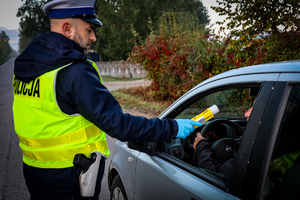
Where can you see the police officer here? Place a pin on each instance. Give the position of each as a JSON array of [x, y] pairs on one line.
[[62, 109]]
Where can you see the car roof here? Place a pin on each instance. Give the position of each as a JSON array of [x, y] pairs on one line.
[[277, 67]]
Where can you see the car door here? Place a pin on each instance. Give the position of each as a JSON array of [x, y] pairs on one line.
[[276, 142], [157, 177], [171, 173]]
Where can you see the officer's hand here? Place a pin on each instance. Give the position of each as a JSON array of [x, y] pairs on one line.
[[186, 126]]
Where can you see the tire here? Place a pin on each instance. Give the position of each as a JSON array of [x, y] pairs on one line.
[[117, 191]]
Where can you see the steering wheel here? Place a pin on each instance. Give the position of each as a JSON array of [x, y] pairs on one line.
[[224, 148]]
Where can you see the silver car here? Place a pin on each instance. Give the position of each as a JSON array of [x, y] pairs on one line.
[[258, 144]]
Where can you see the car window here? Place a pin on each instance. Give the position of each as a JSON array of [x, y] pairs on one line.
[[232, 103], [283, 178]]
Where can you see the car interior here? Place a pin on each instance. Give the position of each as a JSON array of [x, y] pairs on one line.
[[225, 128]]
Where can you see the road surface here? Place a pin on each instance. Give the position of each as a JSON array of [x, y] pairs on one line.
[[12, 183]]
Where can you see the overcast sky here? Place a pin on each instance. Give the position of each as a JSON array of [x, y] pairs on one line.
[[214, 17], [9, 8], [8, 11]]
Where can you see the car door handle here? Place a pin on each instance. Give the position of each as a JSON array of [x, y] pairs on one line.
[[130, 159]]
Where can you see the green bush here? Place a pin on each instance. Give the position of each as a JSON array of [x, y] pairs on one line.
[[282, 46], [5, 51], [178, 61]]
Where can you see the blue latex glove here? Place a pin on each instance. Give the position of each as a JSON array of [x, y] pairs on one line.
[[186, 126]]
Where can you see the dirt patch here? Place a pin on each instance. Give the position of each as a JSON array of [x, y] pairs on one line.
[[135, 112], [114, 85]]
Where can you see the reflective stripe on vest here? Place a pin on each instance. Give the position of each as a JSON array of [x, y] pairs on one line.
[[48, 137], [64, 154]]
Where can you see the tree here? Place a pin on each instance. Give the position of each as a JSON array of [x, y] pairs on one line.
[[4, 37], [248, 18], [113, 38], [262, 31], [33, 21], [171, 57], [6, 52], [120, 17]]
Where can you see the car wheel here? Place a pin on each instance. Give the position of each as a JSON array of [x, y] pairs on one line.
[[117, 189]]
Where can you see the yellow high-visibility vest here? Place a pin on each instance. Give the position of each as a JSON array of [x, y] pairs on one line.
[[48, 137]]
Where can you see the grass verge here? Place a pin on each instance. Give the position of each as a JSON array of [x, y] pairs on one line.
[[129, 100]]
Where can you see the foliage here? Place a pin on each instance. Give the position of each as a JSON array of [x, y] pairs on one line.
[[33, 21], [282, 46], [166, 57], [4, 37], [6, 52], [260, 31], [113, 41], [229, 54], [119, 18], [249, 19], [176, 60]]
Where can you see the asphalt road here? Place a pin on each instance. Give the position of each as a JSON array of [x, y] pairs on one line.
[[12, 183]]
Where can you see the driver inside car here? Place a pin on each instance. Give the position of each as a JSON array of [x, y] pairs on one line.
[[206, 158]]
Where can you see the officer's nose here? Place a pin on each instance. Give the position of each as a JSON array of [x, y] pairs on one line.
[[93, 36]]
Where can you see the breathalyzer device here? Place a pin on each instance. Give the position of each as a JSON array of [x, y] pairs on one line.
[[206, 114]]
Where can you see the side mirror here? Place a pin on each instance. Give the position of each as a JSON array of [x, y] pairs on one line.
[[145, 147]]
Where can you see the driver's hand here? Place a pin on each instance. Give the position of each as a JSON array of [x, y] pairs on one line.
[[197, 139]]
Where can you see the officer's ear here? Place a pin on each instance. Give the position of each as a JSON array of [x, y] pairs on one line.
[[67, 29]]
